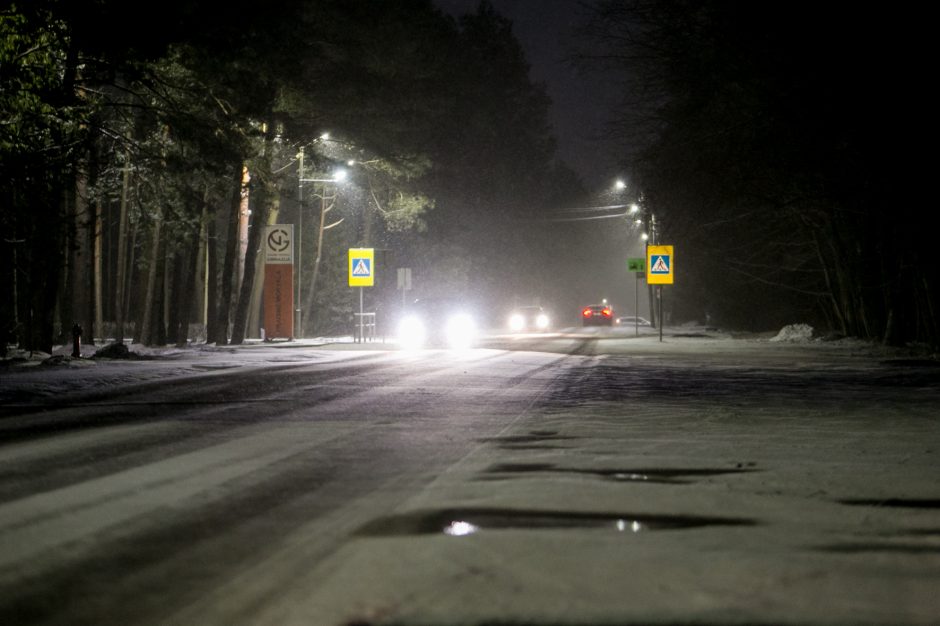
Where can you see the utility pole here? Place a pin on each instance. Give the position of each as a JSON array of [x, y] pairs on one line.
[[298, 332]]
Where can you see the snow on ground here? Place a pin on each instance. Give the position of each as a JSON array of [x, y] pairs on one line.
[[24, 375]]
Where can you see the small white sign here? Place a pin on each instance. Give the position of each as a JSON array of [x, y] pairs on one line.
[[404, 278]]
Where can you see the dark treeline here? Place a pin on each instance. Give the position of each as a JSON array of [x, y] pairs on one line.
[[778, 144], [139, 159]]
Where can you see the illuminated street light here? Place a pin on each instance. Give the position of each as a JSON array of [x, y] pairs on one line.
[[620, 185]]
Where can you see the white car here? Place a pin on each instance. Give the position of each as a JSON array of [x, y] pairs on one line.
[[633, 320]]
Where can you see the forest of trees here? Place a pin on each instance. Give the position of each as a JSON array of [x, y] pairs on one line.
[[140, 158], [778, 143]]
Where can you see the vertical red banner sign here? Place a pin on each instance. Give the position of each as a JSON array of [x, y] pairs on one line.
[[279, 281]]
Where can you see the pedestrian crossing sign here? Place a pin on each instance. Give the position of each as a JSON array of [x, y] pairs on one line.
[[660, 261], [361, 267]]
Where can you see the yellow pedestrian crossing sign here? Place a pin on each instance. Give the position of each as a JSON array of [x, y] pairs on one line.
[[361, 267], [659, 261]]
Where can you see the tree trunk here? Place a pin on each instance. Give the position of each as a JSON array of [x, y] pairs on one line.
[[212, 279], [200, 267], [120, 281], [82, 263], [145, 332], [254, 246], [224, 314], [254, 310], [310, 296], [187, 267], [98, 275]]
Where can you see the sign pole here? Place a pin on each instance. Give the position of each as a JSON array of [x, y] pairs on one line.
[[361, 274], [636, 303], [660, 272], [659, 296], [637, 266]]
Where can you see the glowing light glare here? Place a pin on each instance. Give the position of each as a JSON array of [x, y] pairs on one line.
[[411, 333], [644, 236], [634, 208], [325, 136], [460, 331], [340, 175], [460, 529], [516, 322], [541, 321], [619, 184], [633, 526]]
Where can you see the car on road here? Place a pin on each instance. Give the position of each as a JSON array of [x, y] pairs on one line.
[[633, 320], [528, 319], [437, 323], [597, 315]]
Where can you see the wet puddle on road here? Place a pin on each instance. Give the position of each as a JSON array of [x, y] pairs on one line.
[[865, 548], [669, 476], [898, 503], [535, 440], [461, 522]]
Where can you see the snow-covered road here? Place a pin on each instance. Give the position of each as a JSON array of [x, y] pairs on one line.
[[577, 477]]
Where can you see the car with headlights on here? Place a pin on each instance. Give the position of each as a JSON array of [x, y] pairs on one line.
[[437, 323], [597, 315], [528, 319]]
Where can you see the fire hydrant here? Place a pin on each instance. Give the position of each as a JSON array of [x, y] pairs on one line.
[[76, 341]]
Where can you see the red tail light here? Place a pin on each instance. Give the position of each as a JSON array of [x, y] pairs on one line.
[[606, 312], [587, 312]]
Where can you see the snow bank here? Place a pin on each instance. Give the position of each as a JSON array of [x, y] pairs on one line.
[[795, 333]]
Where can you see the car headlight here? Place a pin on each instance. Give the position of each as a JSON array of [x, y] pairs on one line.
[[460, 331], [412, 332], [516, 322], [541, 321]]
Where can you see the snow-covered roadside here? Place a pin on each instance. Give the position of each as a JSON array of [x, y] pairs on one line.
[[24, 376]]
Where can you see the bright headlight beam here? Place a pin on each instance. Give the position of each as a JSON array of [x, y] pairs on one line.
[[460, 331], [411, 333]]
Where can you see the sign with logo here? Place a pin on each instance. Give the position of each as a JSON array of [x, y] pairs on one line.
[[279, 281], [361, 267], [279, 243], [659, 263], [636, 265]]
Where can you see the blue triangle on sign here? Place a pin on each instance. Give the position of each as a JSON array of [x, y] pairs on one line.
[[660, 264], [361, 268]]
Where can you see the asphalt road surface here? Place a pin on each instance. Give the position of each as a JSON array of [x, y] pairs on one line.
[[566, 479]]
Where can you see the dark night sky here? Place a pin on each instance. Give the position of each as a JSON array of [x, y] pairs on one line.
[[581, 101]]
